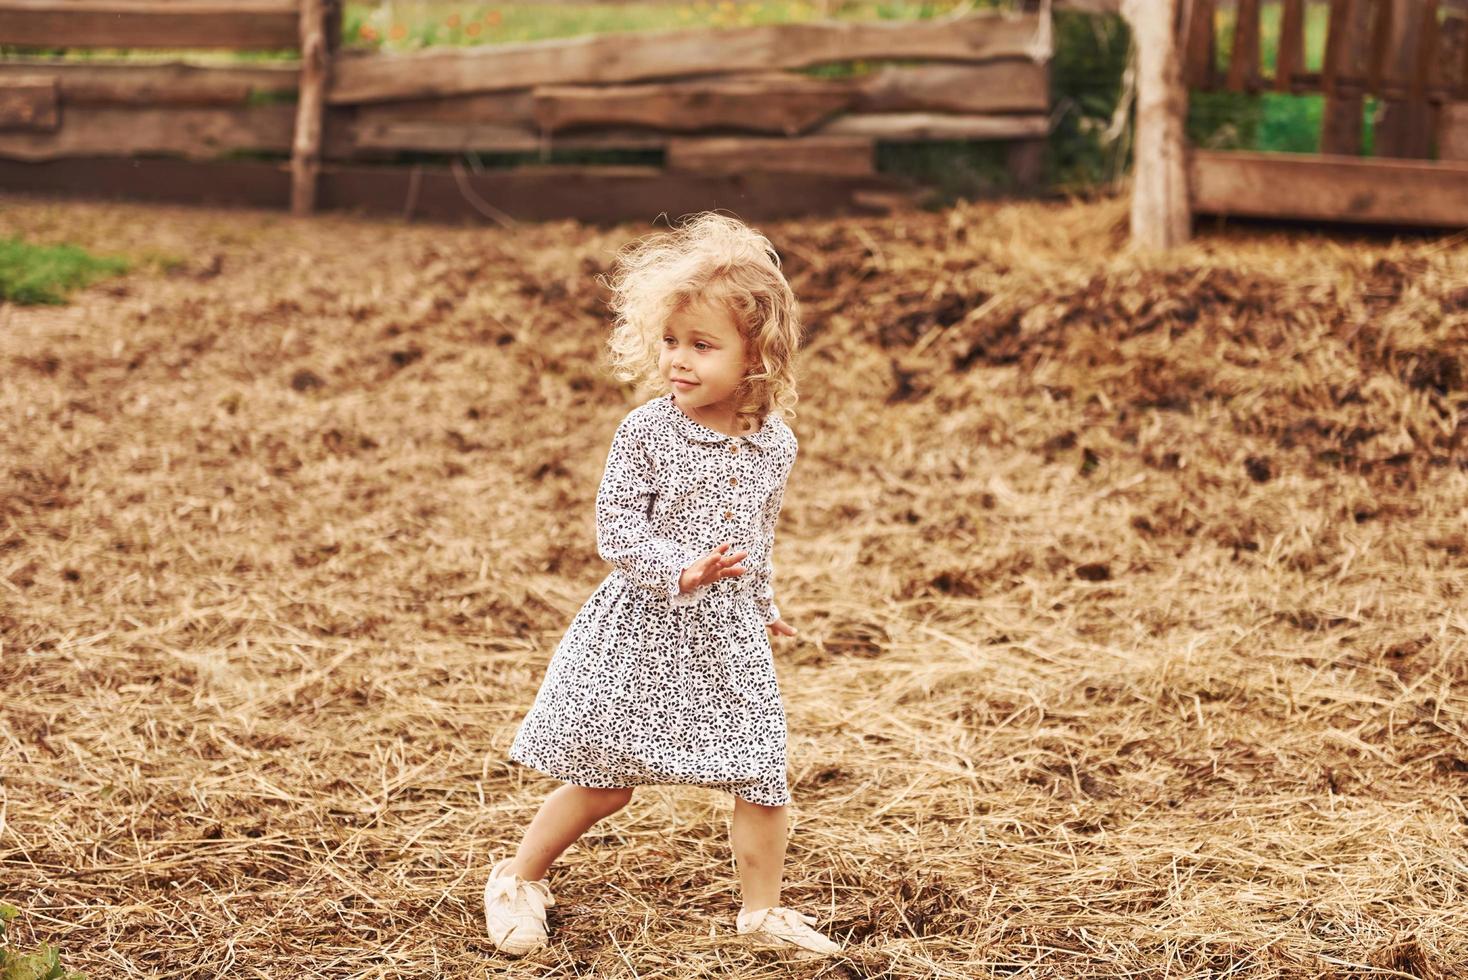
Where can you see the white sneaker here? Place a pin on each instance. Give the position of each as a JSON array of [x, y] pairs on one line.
[[514, 910], [784, 928]]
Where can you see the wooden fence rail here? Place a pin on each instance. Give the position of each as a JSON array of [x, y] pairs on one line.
[[718, 102]]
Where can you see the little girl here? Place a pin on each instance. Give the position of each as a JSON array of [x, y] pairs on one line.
[[666, 674]]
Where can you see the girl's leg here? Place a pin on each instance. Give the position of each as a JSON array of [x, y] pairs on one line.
[[758, 835], [565, 815]]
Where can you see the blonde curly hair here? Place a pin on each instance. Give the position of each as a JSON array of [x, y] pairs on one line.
[[717, 257]]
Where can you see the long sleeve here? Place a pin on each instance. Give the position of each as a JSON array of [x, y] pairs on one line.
[[624, 535], [764, 575]]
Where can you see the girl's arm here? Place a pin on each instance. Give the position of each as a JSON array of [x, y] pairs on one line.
[[623, 535], [764, 574]]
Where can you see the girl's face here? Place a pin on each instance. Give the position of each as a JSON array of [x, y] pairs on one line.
[[703, 359]]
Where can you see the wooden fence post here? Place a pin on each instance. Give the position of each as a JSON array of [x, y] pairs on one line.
[[1161, 216], [311, 104]]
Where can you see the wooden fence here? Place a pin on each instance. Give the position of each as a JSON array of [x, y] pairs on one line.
[[736, 121], [1411, 55]]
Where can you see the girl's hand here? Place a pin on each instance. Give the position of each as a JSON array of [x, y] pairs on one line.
[[712, 567], [781, 628]]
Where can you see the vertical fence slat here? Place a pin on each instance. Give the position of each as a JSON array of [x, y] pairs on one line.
[[1243, 68], [1291, 44], [1462, 73], [1424, 71], [310, 107], [1382, 45], [1198, 50], [1337, 29], [1340, 124]]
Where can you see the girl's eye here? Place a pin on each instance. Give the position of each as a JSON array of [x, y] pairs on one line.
[[700, 344]]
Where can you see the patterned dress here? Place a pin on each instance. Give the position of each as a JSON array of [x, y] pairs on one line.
[[652, 686]]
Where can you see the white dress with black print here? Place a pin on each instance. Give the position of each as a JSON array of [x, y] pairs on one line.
[[652, 686]]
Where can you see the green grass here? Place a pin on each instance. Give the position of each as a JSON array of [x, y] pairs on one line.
[[42, 963], [42, 274]]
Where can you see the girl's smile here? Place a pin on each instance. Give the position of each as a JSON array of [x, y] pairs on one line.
[[703, 360]]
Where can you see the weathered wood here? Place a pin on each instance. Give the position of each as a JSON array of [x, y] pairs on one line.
[[1009, 85], [899, 126], [195, 133], [1199, 50], [1321, 188], [606, 58], [145, 84], [453, 137], [595, 194], [1340, 123], [1424, 71], [1385, 38], [29, 102], [777, 103], [1338, 31], [1025, 162], [1404, 127], [310, 107], [513, 108], [1160, 218], [1291, 49], [1452, 131], [1243, 68], [840, 155], [783, 102], [237, 24]]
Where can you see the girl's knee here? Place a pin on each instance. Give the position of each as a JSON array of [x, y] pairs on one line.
[[609, 801]]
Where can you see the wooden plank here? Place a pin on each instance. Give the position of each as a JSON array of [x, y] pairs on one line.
[[1003, 86], [840, 155], [776, 103], [1337, 33], [236, 24], [782, 102], [1291, 48], [607, 58], [1324, 188], [1424, 70], [1341, 123], [1385, 37], [1462, 90], [442, 137], [194, 133], [451, 137], [1452, 132], [155, 84], [603, 195], [29, 102], [1243, 69], [1404, 126], [902, 126], [310, 106], [223, 183], [1159, 213], [1198, 50]]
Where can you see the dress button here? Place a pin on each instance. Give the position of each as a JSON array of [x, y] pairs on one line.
[[733, 481], [733, 447], [728, 514]]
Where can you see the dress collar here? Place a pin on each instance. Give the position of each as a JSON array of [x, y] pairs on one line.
[[765, 437]]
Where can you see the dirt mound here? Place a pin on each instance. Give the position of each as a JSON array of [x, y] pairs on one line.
[[1129, 595]]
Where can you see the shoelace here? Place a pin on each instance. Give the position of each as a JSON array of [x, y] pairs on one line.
[[523, 895]]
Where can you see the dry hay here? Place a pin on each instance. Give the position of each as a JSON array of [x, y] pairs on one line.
[[1131, 599]]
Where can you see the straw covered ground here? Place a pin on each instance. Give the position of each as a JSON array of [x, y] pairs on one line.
[[1131, 598]]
